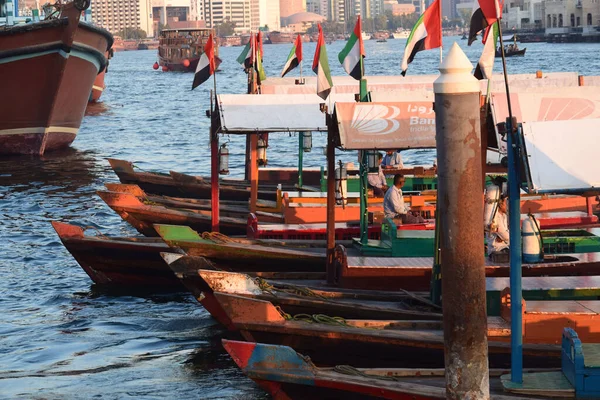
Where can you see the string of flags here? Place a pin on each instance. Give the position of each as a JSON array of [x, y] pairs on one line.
[[425, 35]]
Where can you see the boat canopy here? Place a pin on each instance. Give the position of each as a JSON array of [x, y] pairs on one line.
[[548, 103], [384, 125], [250, 113], [418, 83], [561, 156]]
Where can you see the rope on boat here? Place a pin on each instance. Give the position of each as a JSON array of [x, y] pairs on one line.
[[350, 370], [96, 229], [291, 289], [313, 318], [217, 237]]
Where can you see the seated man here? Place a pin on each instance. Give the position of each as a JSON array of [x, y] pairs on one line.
[[392, 159], [498, 236], [393, 204], [376, 180]]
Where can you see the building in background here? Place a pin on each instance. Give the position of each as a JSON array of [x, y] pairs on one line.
[[400, 8], [336, 10], [119, 15], [320, 7], [244, 13], [290, 7], [270, 15]]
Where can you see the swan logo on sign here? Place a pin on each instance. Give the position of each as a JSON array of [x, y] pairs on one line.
[[375, 119]]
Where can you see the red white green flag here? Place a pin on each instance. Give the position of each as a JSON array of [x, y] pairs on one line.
[[425, 35], [294, 58], [351, 57], [207, 65], [321, 67]]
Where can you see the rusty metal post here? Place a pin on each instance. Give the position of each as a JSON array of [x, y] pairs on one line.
[[214, 178], [458, 138]]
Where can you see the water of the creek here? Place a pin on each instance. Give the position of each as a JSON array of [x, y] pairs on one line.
[[62, 338]]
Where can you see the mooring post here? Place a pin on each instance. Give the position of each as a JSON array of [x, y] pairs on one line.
[[214, 179], [458, 138], [330, 209]]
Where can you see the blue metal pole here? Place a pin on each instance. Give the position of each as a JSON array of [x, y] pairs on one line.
[[514, 215], [300, 157]]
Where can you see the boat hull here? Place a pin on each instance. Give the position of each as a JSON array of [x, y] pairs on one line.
[[124, 262], [53, 65]]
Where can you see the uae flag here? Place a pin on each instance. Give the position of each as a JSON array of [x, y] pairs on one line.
[[294, 58], [259, 58], [207, 65], [321, 67], [351, 57], [485, 66], [247, 55], [426, 34], [488, 12]]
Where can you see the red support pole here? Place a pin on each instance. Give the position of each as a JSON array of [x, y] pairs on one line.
[[214, 181], [253, 172]]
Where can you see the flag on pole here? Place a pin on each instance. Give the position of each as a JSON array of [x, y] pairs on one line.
[[321, 67], [351, 57], [259, 58], [245, 58], [488, 12], [485, 66], [294, 58], [207, 65], [426, 34]]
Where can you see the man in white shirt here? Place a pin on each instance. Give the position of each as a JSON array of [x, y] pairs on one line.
[[376, 180], [392, 159], [498, 235], [393, 203]]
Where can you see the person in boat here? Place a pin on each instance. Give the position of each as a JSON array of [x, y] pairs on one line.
[[498, 237], [392, 159], [376, 180], [393, 204]]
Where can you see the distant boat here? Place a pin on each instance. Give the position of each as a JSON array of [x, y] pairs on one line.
[[276, 37], [180, 49], [511, 50], [400, 34], [464, 36], [383, 40]]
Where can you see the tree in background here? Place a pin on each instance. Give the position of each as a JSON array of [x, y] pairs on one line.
[[226, 28], [132, 33]]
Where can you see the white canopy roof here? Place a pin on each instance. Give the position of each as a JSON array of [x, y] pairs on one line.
[[562, 155], [247, 113]]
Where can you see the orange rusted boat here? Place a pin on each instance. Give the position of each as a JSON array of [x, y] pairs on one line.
[[141, 216], [367, 343]]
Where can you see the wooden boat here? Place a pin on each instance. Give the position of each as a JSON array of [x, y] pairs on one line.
[[231, 207], [511, 50], [119, 261], [283, 373], [185, 186], [414, 273], [70, 53], [300, 299], [368, 343], [141, 216], [236, 256], [180, 49], [135, 262]]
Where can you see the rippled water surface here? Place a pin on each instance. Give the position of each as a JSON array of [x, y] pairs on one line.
[[62, 338]]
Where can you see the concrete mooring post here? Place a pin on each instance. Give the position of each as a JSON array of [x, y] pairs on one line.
[[460, 207]]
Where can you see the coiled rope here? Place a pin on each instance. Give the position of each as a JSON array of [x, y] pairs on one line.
[[313, 318]]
